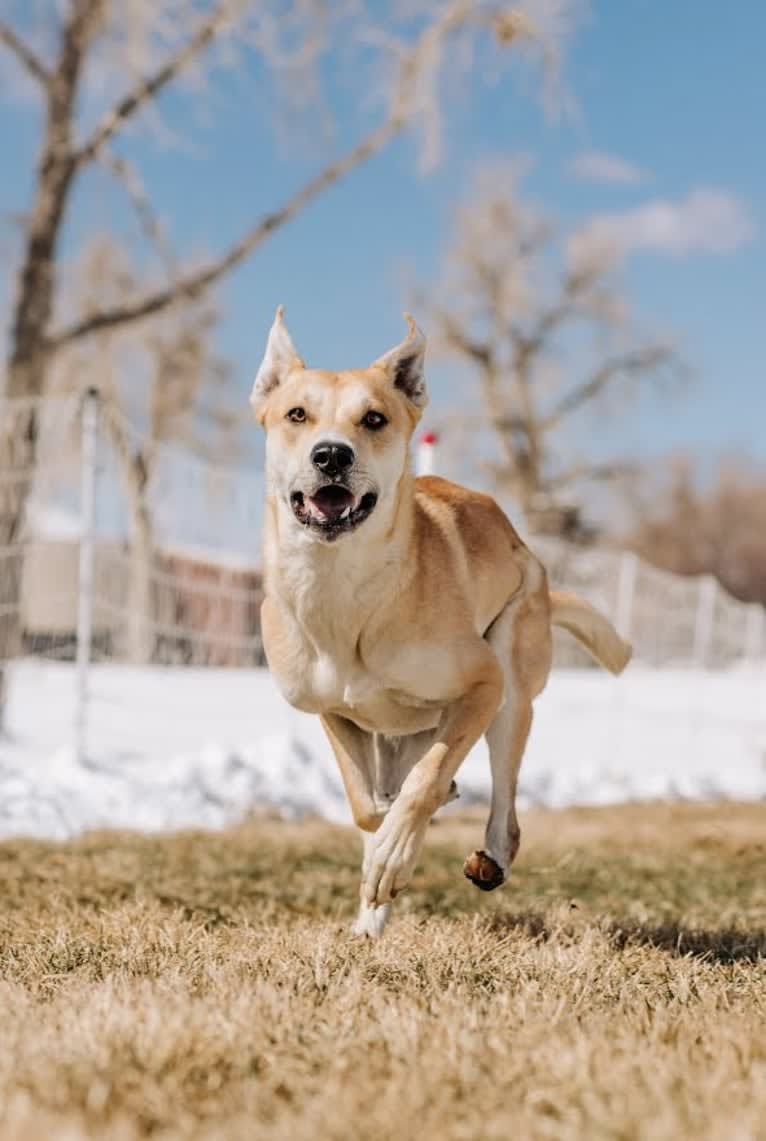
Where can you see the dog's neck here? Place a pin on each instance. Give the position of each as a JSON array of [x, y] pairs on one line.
[[316, 580]]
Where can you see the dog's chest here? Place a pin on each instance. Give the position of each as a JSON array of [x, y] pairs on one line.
[[333, 683], [320, 652], [317, 682]]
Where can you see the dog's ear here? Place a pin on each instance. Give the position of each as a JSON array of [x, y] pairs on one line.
[[405, 364], [280, 358]]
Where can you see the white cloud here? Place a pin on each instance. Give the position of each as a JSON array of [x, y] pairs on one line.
[[706, 221], [597, 166]]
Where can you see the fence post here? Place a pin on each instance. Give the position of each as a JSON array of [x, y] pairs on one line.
[[754, 631], [703, 625], [89, 434], [626, 593]]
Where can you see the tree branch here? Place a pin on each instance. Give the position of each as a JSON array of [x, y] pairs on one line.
[[150, 224], [455, 15], [575, 286], [630, 364], [592, 473], [149, 88], [459, 340], [194, 284], [24, 54]]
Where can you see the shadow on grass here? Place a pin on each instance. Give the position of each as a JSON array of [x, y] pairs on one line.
[[726, 945]]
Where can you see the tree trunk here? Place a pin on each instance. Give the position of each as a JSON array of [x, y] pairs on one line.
[[27, 360], [25, 383], [140, 629], [18, 438], [140, 637]]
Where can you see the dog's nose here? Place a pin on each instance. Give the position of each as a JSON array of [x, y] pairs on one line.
[[331, 459]]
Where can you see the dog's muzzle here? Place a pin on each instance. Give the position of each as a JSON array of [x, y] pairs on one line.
[[332, 459], [332, 510]]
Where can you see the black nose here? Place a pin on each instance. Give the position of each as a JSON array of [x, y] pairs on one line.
[[331, 459]]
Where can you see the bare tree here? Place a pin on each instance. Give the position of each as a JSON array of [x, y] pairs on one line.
[[161, 384], [717, 526], [131, 53], [518, 304]]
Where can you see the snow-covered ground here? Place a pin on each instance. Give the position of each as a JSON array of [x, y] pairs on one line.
[[172, 748]]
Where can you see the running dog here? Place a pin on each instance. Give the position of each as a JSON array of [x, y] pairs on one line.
[[407, 613]]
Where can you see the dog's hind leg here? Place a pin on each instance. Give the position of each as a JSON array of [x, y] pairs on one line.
[[506, 738], [521, 639], [395, 758]]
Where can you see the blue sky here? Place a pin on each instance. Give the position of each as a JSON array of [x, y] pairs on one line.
[[666, 131]]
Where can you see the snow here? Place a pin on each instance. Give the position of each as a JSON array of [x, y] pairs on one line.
[[53, 521], [175, 748]]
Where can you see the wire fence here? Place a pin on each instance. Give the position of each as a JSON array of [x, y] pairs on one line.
[[94, 569], [669, 619], [167, 575]]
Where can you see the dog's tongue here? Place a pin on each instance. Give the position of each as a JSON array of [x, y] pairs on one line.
[[331, 502]]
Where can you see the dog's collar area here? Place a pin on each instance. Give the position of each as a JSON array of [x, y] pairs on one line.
[[332, 510]]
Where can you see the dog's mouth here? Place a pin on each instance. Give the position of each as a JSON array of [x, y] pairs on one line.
[[332, 510]]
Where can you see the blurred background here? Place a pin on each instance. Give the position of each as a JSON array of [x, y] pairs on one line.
[[568, 196]]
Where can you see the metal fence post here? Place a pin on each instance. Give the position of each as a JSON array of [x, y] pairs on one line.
[[89, 435], [703, 625], [755, 628], [626, 593]]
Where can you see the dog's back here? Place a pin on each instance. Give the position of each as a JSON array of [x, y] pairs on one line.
[[467, 531], [466, 543]]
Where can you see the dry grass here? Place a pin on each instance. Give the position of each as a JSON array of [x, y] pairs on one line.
[[205, 985]]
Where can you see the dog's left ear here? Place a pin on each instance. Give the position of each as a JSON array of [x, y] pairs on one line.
[[405, 365], [280, 358]]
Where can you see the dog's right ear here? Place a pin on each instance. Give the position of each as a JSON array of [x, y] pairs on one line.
[[280, 358]]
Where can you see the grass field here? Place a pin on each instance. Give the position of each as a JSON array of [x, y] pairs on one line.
[[205, 985]]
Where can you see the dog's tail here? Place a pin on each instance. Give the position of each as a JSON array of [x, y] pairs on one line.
[[595, 632]]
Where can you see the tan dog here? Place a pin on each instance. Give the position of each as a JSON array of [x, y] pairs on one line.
[[407, 613]]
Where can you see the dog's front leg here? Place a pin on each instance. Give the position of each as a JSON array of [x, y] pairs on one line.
[[400, 836], [354, 751], [370, 920]]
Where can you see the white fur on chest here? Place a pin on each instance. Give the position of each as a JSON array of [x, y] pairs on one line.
[[316, 683], [329, 596], [333, 684]]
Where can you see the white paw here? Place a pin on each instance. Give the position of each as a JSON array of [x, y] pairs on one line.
[[389, 866], [371, 921]]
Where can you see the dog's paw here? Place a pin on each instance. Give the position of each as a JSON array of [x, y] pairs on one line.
[[391, 863], [483, 871], [371, 921]]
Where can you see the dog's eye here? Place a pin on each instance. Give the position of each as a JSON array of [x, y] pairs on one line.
[[297, 415], [374, 421]]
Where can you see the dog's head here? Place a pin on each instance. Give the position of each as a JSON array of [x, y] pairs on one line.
[[337, 442]]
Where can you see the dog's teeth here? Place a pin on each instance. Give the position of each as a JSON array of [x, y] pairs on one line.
[[345, 513]]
